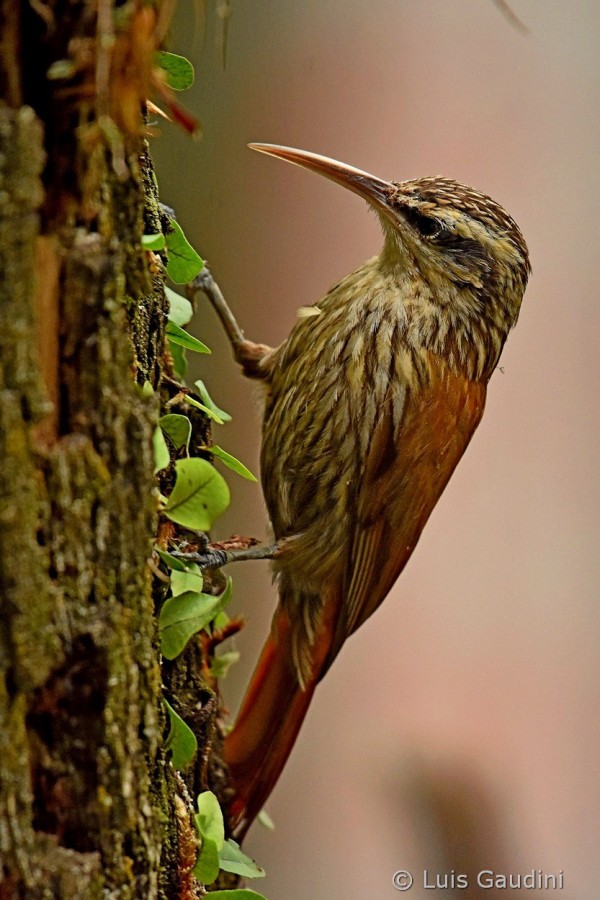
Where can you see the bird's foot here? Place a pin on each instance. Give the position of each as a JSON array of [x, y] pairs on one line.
[[214, 556]]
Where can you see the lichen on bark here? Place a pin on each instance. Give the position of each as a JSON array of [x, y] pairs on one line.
[[80, 690], [89, 803]]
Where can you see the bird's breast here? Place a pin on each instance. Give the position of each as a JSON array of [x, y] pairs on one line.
[[328, 384]]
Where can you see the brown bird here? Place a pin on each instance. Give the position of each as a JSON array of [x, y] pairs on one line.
[[370, 403]]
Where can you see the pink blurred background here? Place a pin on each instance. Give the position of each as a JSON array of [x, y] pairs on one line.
[[459, 728]]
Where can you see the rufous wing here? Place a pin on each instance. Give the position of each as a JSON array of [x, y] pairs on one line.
[[408, 464]]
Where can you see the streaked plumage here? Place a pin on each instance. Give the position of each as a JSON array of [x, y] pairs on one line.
[[370, 403]]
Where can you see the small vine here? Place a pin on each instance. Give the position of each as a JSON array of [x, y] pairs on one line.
[[193, 494]]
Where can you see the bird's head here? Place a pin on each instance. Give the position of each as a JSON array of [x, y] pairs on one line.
[[462, 245]]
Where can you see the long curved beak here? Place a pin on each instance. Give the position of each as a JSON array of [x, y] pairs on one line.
[[374, 190]]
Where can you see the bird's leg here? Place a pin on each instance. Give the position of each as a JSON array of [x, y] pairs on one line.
[[212, 558], [248, 354]]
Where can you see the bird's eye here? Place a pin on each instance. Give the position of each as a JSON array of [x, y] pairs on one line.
[[427, 226]]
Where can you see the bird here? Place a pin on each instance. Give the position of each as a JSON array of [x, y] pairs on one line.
[[369, 404]]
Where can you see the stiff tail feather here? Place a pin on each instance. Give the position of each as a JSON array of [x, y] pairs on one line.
[[268, 723]]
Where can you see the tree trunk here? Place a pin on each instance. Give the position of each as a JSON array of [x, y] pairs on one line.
[[89, 806]]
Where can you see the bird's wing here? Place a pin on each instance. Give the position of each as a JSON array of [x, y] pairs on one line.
[[408, 465]]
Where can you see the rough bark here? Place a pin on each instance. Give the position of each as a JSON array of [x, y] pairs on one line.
[[89, 806]]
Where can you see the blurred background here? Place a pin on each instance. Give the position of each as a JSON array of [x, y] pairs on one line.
[[459, 728]]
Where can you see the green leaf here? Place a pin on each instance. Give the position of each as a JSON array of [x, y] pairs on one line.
[[179, 70], [224, 598], [221, 620], [231, 462], [161, 451], [221, 664], [180, 308], [182, 617], [192, 580], [206, 869], [172, 562], [179, 359], [232, 859], [153, 241], [147, 389], [200, 495], [206, 398], [211, 831], [181, 740], [208, 412], [265, 820], [177, 428], [237, 894], [178, 336], [184, 263], [209, 819]]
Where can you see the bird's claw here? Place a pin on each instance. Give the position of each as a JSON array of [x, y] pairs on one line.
[[204, 559]]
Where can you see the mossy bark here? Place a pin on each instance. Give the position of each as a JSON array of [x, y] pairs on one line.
[[81, 730], [89, 805]]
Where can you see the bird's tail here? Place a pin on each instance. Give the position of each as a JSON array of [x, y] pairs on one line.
[[268, 723]]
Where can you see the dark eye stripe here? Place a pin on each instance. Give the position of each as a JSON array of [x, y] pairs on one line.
[[427, 226], [463, 249]]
